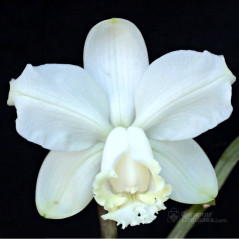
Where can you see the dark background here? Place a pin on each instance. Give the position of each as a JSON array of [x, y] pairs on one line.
[[39, 32]]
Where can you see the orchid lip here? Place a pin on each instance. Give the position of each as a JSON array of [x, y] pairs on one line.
[[129, 179]]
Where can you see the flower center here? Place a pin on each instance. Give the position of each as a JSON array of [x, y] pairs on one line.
[[132, 176]]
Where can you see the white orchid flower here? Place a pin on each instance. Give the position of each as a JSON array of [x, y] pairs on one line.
[[120, 130]]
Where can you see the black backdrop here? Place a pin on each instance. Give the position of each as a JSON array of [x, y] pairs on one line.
[[39, 32]]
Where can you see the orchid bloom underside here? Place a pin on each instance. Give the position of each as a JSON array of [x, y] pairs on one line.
[[120, 129]]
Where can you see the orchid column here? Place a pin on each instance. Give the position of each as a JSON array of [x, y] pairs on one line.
[[120, 130]]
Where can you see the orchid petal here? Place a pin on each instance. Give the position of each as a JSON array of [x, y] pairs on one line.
[[115, 55], [59, 107], [187, 169], [64, 184], [183, 94]]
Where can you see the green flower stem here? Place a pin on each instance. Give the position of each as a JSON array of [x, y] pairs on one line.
[[108, 228], [227, 162], [223, 168]]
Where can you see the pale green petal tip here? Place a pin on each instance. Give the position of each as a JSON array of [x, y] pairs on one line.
[[211, 197], [44, 215], [114, 20], [211, 203], [10, 100], [47, 209], [49, 214]]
